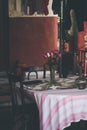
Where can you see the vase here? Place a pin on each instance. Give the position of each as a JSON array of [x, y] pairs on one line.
[[52, 76], [81, 82]]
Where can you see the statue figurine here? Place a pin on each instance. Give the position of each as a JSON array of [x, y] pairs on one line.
[[50, 11], [73, 31]]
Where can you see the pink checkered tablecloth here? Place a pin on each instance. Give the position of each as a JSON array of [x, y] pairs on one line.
[[59, 107]]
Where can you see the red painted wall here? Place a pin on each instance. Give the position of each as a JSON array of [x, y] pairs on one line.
[[31, 37], [85, 27], [81, 45], [81, 40]]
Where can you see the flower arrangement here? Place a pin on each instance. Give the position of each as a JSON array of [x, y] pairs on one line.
[[52, 62], [51, 59]]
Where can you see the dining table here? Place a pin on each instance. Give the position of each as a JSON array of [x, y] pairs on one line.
[[59, 106]]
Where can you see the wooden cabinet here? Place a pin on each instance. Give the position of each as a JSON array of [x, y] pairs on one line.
[[31, 37]]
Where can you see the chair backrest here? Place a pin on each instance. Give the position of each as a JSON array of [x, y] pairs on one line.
[[13, 79], [36, 69], [22, 69], [17, 91]]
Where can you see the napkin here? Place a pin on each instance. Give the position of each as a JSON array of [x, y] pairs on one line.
[[42, 86]]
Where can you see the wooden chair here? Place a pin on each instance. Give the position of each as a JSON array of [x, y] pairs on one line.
[[11, 114], [33, 69], [27, 107]]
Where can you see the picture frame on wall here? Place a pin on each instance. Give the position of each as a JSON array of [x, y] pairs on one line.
[[28, 7]]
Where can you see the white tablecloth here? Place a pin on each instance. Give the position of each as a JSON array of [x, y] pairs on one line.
[[59, 107]]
